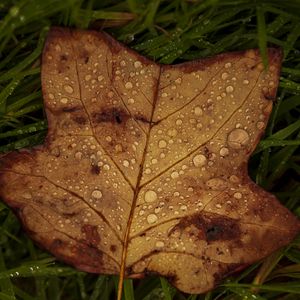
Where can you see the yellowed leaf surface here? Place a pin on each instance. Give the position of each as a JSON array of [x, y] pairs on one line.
[[144, 169]]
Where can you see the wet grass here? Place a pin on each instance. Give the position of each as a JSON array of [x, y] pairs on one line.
[[166, 31]]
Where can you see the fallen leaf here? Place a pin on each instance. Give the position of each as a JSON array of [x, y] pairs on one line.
[[144, 168]]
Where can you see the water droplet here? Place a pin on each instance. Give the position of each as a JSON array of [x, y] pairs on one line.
[[174, 175], [224, 75], [154, 161], [164, 95], [14, 11], [55, 151], [64, 100], [78, 155], [237, 195], [172, 132], [159, 244], [150, 196], [234, 179], [57, 47], [68, 89], [229, 89], [199, 160], [178, 122], [51, 96], [238, 138], [162, 144], [148, 171], [126, 163], [27, 195], [198, 111], [246, 81], [110, 94], [130, 100], [97, 194], [137, 64], [152, 218], [123, 63], [224, 151], [260, 125], [100, 78], [216, 184], [118, 148], [128, 85], [106, 167], [178, 80], [183, 207], [260, 67], [227, 65], [87, 77]]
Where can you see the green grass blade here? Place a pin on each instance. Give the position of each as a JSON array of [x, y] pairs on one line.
[[292, 38], [128, 289], [14, 72], [5, 283], [38, 126], [262, 34], [98, 287], [265, 144], [262, 168], [266, 268], [4, 296], [290, 85], [23, 295], [18, 104], [168, 290], [6, 92], [286, 132], [293, 287]]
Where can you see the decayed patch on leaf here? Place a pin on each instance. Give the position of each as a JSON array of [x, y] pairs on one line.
[[144, 169]]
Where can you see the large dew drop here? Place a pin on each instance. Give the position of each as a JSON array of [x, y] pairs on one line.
[[238, 138], [199, 160], [150, 196], [152, 218], [97, 194], [68, 89]]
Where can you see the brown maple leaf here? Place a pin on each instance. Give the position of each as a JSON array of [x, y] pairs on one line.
[[144, 168]]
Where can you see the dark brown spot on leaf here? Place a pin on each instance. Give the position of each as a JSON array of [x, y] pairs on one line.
[[95, 170], [92, 235], [111, 115], [113, 248], [80, 120], [209, 227], [71, 109], [63, 58]]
